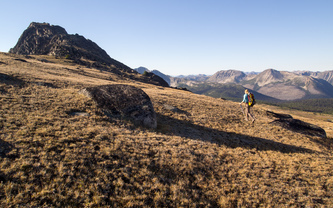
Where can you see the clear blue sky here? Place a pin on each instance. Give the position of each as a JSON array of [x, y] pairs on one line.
[[189, 36]]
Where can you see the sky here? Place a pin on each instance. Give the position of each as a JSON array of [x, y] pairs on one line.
[[183, 37]]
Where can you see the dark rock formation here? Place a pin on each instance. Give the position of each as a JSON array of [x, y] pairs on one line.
[[46, 39], [124, 100], [163, 76], [154, 75], [150, 77], [288, 122]]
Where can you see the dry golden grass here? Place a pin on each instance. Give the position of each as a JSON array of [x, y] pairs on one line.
[[203, 155]]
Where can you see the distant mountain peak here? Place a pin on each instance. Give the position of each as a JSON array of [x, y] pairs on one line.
[[268, 76], [273, 72], [227, 76], [141, 69]]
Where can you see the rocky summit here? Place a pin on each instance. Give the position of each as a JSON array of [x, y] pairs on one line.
[[46, 39], [52, 40]]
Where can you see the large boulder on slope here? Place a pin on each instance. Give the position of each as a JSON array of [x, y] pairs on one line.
[[126, 101]]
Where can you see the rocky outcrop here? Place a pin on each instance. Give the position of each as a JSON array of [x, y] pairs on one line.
[[288, 122], [150, 77], [46, 39], [155, 75], [125, 101], [163, 76]]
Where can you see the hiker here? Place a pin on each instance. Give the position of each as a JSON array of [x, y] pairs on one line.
[[248, 107]]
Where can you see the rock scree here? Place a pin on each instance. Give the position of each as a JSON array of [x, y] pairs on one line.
[[124, 100]]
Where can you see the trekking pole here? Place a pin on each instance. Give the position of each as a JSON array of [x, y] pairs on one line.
[[240, 104]]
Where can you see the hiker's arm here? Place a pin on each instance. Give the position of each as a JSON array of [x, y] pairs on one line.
[[244, 99]]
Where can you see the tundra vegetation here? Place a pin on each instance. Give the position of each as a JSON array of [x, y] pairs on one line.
[[57, 149]]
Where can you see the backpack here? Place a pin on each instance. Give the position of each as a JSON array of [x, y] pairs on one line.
[[251, 99]]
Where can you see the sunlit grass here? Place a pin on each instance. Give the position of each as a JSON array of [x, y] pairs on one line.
[[204, 155]]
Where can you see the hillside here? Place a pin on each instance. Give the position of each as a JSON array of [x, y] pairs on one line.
[[58, 149]]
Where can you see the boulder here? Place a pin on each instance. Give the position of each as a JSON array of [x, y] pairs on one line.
[[288, 122], [124, 100]]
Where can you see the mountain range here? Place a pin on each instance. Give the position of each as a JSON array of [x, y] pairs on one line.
[[269, 85]]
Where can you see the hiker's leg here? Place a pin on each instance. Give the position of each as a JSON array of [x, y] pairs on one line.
[[249, 112]]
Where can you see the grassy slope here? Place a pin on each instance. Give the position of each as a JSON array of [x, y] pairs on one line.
[[205, 155]]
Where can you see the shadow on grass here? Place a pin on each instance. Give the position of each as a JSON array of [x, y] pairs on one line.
[[326, 142], [171, 126], [10, 80], [5, 148]]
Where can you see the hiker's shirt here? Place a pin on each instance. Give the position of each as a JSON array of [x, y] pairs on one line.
[[245, 99]]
